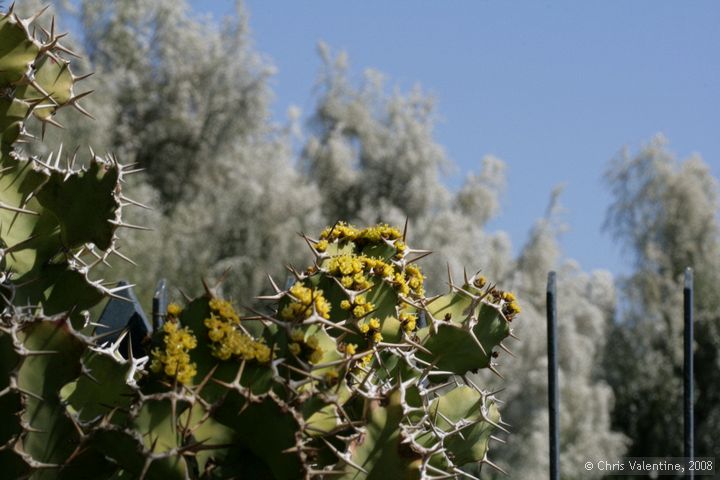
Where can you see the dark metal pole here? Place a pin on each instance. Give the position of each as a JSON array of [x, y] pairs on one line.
[[689, 367], [553, 395]]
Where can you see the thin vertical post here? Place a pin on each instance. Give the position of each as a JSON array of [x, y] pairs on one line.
[[689, 414], [553, 391]]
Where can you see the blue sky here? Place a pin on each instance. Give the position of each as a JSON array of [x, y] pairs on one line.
[[555, 89]]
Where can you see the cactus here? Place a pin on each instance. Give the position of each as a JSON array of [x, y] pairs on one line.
[[56, 222], [352, 372], [338, 379], [341, 378]]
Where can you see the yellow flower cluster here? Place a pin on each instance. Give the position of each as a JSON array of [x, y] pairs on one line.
[[311, 346], [400, 247], [227, 340], [366, 360], [415, 279], [343, 231], [317, 352], [174, 360], [371, 329], [511, 307], [379, 232], [359, 308], [352, 270], [346, 265], [351, 349], [304, 298], [174, 310], [225, 310], [322, 245], [377, 266], [411, 280], [408, 321]]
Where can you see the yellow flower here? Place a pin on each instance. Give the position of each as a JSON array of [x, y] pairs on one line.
[[312, 342], [401, 284], [367, 359], [288, 312], [174, 360], [170, 327], [226, 340], [294, 348], [262, 353], [345, 305], [322, 306], [379, 232], [316, 355], [174, 310], [224, 309], [508, 296], [350, 349], [302, 301], [341, 231], [364, 327], [377, 337], [408, 321], [388, 270], [322, 245], [297, 335], [374, 323]]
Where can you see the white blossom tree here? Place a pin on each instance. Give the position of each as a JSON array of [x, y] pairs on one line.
[[188, 103], [665, 212], [586, 302]]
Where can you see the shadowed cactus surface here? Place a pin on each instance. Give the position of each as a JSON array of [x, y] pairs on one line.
[[352, 372]]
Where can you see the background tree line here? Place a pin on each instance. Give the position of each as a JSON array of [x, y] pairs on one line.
[[229, 189]]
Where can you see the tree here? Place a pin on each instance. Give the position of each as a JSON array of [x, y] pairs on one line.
[[372, 156], [586, 302], [188, 102], [665, 212]]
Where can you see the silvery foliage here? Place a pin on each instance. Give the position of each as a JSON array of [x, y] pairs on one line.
[[665, 211], [189, 103], [585, 306], [372, 155]]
